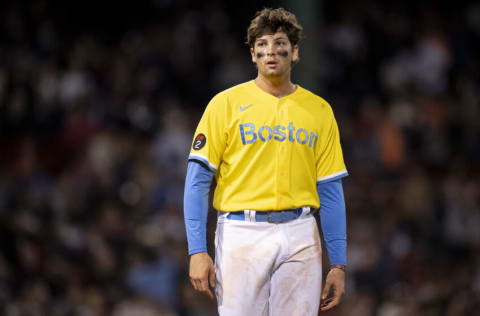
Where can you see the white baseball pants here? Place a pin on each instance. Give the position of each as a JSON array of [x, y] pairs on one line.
[[268, 269]]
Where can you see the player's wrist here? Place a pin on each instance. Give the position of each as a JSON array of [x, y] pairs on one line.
[[339, 267], [199, 254]]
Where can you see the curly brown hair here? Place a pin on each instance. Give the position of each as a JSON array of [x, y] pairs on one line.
[[269, 21]]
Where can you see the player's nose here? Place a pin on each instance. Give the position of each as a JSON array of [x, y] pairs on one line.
[[270, 50]]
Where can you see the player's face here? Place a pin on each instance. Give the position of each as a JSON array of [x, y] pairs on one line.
[[274, 54]]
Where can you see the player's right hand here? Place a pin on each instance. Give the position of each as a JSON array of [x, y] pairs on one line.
[[202, 272]]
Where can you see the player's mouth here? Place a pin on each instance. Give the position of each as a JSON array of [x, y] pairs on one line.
[[272, 63]]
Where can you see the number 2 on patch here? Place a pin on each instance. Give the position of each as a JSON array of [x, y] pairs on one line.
[[199, 141]]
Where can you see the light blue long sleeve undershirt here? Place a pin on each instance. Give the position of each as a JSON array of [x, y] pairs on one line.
[[195, 205], [197, 187], [333, 220]]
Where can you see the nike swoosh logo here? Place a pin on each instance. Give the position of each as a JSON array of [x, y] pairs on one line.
[[245, 107]]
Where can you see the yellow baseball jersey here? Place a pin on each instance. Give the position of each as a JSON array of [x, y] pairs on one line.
[[268, 153]]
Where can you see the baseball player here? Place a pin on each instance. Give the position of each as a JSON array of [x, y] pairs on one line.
[[274, 150]]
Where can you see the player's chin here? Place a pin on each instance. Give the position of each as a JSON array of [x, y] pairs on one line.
[[273, 72]]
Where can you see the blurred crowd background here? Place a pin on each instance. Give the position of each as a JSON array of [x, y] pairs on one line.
[[98, 105]]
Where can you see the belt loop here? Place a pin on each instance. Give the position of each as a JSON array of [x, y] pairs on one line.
[[222, 216], [249, 215], [305, 211], [252, 216]]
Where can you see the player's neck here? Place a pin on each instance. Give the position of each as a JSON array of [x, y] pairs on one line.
[[278, 87]]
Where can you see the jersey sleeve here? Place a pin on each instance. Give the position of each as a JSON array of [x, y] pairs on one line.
[[329, 161], [210, 136]]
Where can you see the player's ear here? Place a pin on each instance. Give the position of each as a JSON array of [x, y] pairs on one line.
[[252, 52], [295, 55]]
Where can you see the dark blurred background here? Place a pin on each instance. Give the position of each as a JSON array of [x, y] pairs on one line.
[[98, 104]]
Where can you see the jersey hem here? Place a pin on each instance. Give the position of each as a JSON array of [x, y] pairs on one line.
[[266, 209]]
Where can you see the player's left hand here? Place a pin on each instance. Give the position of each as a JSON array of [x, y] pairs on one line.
[[335, 281], [202, 273]]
